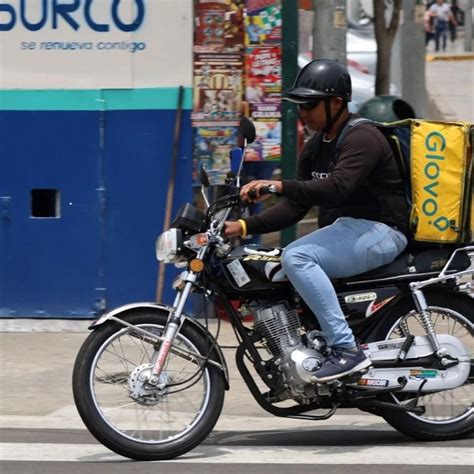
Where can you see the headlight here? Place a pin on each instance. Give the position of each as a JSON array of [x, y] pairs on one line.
[[168, 245]]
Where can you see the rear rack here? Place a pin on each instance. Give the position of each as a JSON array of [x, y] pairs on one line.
[[417, 285]]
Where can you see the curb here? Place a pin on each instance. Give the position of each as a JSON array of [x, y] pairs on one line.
[[44, 325], [31, 325], [449, 57]]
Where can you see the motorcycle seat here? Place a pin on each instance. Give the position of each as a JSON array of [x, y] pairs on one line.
[[413, 264]]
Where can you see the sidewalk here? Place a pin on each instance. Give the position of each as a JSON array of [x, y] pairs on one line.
[[37, 357], [449, 82]]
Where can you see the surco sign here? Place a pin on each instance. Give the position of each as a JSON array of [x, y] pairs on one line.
[[53, 14]]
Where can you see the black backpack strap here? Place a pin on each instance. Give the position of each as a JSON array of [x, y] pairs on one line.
[[352, 122]]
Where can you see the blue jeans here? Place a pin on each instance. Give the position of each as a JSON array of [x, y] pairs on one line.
[[441, 32], [345, 248]]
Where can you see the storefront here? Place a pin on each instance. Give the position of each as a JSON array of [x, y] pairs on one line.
[[88, 99], [88, 108]]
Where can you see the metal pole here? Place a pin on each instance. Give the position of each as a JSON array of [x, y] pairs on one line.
[[408, 56], [329, 30], [468, 26], [171, 184], [289, 112]]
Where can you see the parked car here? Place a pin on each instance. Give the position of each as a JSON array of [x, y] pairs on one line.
[[362, 49]]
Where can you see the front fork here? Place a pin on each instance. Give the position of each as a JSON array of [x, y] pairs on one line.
[[172, 327], [175, 318]]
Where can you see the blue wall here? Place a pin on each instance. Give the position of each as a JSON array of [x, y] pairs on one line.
[[109, 154]]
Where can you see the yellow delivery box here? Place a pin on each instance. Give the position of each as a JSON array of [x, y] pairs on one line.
[[441, 181]]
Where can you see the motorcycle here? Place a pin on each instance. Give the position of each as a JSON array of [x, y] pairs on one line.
[[149, 381]]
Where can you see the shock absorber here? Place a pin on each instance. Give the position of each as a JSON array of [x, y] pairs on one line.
[[425, 317], [404, 326]]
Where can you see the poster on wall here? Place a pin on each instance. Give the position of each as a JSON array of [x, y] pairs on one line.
[[266, 111], [263, 23], [263, 74], [219, 25], [267, 120], [212, 144], [217, 86], [95, 45], [268, 133], [237, 70]]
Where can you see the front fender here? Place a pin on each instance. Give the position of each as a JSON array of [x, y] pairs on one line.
[[121, 311]]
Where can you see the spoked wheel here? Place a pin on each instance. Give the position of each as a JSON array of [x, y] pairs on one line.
[[448, 414], [133, 418]]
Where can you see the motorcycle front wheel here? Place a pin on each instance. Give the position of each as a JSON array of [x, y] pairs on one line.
[[132, 418], [448, 414]]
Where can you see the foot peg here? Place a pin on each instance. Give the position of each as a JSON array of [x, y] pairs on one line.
[[349, 378], [354, 377]]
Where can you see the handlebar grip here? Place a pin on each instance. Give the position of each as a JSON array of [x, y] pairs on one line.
[[252, 194], [264, 190]]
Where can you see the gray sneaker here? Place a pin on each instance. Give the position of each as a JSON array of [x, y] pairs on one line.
[[341, 362]]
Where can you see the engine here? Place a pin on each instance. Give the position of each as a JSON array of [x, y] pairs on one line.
[[282, 336], [280, 328]]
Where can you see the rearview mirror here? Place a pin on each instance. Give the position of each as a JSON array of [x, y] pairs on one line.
[[246, 131]]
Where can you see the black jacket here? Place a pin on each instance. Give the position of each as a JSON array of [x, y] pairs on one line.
[[364, 183]]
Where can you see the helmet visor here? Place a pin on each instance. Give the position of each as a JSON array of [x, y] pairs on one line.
[[295, 100], [301, 95]]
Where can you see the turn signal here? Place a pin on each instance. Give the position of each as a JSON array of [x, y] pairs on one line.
[[196, 265], [199, 240]]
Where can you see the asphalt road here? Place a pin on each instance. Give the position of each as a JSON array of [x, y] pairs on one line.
[[41, 432], [332, 449]]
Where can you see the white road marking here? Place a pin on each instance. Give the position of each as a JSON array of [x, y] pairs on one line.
[[67, 418], [259, 455]]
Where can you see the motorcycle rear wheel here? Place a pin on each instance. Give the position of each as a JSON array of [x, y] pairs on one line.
[[127, 416], [449, 414]]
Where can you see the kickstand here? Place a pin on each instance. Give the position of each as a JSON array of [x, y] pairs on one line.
[[418, 394]]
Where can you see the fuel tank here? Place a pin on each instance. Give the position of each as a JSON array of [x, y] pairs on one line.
[[253, 268]]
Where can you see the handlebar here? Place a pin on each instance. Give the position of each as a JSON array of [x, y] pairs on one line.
[[227, 201], [264, 190]]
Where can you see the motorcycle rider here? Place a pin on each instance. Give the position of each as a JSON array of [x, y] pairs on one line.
[[363, 214]]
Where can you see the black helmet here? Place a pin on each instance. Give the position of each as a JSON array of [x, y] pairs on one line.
[[319, 79]]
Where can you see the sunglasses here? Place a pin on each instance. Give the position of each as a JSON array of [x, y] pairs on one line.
[[307, 106]]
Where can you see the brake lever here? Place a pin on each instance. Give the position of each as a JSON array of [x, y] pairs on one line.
[[233, 200], [227, 201]]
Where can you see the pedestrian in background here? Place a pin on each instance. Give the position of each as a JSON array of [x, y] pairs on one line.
[[428, 21], [456, 14], [442, 14]]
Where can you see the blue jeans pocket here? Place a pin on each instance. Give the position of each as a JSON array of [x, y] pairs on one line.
[[381, 253], [386, 247]]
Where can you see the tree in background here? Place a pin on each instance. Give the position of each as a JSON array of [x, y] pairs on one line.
[[386, 12]]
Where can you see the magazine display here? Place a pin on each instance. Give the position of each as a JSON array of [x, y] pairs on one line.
[[263, 23], [237, 71], [217, 86], [212, 144]]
